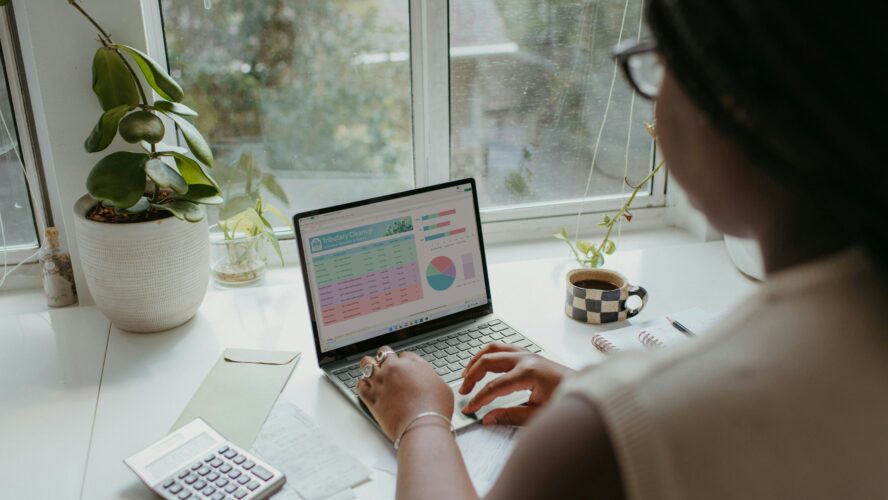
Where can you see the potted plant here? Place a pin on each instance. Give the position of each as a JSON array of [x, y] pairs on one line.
[[141, 230], [238, 257]]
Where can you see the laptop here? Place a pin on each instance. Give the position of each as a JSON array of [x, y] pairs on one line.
[[406, 270]]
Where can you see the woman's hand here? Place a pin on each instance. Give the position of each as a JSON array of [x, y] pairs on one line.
[[401, 387], [521, 370]]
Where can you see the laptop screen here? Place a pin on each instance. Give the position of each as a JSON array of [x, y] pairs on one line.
[[393, 263]]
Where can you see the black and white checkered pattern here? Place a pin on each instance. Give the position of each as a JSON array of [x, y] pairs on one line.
[[601, 306]]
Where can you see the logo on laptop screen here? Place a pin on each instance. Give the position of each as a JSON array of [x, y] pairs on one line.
[[316, 245]]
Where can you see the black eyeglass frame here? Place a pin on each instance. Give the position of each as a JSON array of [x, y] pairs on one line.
[[624, 51]]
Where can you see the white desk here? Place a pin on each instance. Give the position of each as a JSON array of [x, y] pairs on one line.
[[50, 369], [148, 379]]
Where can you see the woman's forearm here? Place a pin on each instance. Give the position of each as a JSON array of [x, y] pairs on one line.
[[431, 466]]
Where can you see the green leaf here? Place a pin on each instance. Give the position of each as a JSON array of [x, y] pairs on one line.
[[165, 176], [193, 172], [118, 178], [159, 80], [103, 133], [174, 107], [141, 206], [609, 247], [235, 205], [277, 213], [182, 209], [113, 84], [596, 260], [195, 141], [141, 126], [584, 246], [271, 184], [201, 193], [562, 235]]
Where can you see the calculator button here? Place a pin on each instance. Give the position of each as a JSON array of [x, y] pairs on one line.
[[185, 494], [253, 485], [209, 490], [196, 465], [222, 482], [169, 482], [243, 479], [225, 469], [199, 485], [204, 470], [234, 474], [240, 494], [216, 462], [239, 459], [231, 454], [231, 487], [212, 477], [248, 464], [218, 496], [222, 449], [209, 458], [191, 479], [262, 473], [184, 473], [176, 488]]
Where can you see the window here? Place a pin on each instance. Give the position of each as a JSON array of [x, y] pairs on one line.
[[18, 226], [315, 95], [534, 101], [330, 101]]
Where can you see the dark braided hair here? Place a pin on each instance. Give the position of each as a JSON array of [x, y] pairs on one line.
[[797, 87]]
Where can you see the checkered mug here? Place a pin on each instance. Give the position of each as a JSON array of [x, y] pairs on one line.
[[599, 296]]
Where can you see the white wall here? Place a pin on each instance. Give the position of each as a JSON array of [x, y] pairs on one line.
[[57, 49]]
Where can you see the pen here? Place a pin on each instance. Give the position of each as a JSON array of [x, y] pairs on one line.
[[683, 329]]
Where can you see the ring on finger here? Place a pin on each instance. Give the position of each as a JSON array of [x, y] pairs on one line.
[[367, 371], [382, 355]]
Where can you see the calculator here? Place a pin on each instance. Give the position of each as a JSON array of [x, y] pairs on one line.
[[196, 462]]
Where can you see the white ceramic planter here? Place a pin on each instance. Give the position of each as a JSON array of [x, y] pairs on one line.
[[145, 276]]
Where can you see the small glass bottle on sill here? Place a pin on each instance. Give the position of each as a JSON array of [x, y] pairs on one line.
[[58, 276]]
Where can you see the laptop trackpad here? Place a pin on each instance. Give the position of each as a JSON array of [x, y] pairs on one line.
[[461, 420]]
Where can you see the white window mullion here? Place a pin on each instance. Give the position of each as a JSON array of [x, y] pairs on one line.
[[431, 87]]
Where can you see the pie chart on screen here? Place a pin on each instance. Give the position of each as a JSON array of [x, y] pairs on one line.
[[441, 273]]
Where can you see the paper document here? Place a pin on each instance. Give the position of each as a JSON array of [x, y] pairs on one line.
[[315, 467], [485, 449]]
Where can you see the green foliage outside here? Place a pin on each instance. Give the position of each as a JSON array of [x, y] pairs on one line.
[[279, 78]]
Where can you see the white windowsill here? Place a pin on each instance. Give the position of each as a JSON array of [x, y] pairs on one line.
[[25, 300]]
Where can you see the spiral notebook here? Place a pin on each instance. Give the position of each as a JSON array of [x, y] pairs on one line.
[[655, 333]]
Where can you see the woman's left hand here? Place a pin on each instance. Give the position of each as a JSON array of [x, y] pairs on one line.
[[401, 387]]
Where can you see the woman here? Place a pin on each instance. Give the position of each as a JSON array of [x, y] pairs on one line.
[[767, 117]]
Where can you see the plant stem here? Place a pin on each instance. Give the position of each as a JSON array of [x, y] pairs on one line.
[[625, 208], [90, 19], [106, 41]]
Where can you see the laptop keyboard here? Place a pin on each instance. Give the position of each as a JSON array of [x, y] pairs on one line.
[[450, 354]]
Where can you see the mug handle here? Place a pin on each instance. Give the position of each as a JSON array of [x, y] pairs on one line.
[[641, 293]]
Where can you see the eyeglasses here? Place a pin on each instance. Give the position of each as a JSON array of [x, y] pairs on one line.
[[640, 65]]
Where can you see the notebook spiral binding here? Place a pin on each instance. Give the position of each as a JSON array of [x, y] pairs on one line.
[[602, 344], [649, 340]]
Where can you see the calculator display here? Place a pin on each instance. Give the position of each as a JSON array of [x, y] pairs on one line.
[[174, 460]]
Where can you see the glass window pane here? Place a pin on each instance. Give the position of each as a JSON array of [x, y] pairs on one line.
[[313, 97], [530, 84], [15, 204]]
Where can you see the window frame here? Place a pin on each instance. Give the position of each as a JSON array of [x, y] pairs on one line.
[[24, 126], [430, 97]]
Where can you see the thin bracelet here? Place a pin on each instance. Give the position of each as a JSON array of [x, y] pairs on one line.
[[421, 415]]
